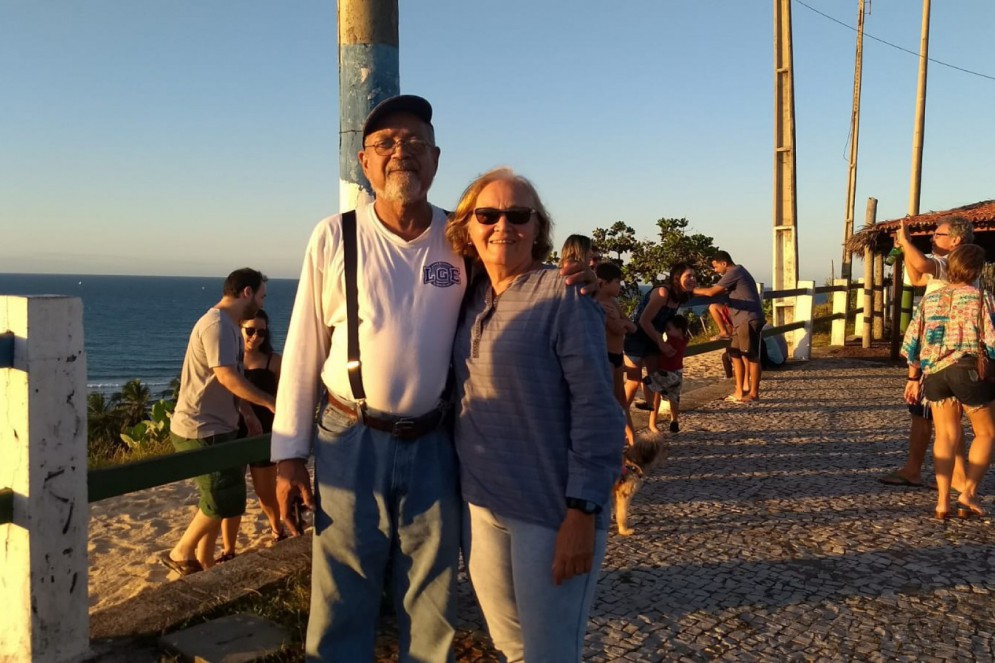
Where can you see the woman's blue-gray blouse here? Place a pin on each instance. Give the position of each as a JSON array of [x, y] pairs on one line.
[[537, 420]]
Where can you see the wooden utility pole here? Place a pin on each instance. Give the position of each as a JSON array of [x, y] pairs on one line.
[[919, 133], [851, 188], [369, 67], [785, 200], [869, 285]]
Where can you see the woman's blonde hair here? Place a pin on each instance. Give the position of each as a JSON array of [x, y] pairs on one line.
[[456, 228], [577, 248], [965, 263]]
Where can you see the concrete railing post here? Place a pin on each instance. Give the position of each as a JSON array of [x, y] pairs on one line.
[[43, 552], [838, 336], [803, 311], [856, 301]]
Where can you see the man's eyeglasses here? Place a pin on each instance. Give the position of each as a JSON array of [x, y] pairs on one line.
[[252, 331], [940, 234], [517, 216], [386, 147]]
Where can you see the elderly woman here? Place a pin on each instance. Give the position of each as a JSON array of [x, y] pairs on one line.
[[537, 426], [942, 344]]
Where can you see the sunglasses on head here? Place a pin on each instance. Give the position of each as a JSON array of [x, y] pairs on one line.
[[517, 216], [252, 331]]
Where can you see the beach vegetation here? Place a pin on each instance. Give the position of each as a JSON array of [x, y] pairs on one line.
[[133, 402], [127, 426], [150, 435]]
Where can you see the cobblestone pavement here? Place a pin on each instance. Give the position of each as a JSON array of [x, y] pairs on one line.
[[767, 537]]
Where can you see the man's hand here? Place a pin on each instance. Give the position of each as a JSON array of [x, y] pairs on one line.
[[252, 424], [292, 480], [902, 237], [574, 554], [577, 273]]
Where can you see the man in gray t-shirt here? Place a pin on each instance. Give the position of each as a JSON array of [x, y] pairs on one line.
[[746, 311], [213, 392]]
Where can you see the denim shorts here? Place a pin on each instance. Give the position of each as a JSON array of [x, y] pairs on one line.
[[959, 382]]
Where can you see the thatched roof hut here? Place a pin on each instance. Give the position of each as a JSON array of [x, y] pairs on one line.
[[880, 236]]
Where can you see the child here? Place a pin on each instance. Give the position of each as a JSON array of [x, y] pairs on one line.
[[616, 327], [668, 380], [581, 249]]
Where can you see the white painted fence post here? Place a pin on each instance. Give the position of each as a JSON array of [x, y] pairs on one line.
[[43, 553], [857, 287], [839, 306], [803, 311]]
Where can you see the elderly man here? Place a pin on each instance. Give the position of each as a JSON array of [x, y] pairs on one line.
[[372, 326], [930, 271]]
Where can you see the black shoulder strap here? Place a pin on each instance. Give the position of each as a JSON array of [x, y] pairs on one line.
[[354, 366]]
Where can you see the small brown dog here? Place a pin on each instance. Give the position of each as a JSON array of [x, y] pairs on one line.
[[637, 460]]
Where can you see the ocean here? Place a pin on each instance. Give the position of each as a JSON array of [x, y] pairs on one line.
[[138, 326]]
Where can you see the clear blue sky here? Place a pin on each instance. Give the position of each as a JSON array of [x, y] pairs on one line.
[[191, 137]]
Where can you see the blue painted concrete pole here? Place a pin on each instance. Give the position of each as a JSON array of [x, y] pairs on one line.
[[368, 74]]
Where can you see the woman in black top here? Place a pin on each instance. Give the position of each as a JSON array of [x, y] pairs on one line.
[[261, 366]]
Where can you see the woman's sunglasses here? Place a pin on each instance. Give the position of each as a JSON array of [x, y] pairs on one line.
[[252, 331], [517, 216]]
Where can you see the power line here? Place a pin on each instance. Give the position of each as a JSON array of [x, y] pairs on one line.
[[888, 43]]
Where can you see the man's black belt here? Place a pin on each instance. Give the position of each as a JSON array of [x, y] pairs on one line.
[[403, 428]]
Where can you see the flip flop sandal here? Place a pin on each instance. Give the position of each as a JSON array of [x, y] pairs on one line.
[[896, 479], [968, 511], [227, 557], [183, 568]]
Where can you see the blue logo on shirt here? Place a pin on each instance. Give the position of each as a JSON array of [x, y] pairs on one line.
[[441, 274]]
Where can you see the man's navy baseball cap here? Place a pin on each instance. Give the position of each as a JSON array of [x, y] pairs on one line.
[[403, 103]]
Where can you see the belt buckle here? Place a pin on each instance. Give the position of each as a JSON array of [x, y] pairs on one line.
[[402, 426]]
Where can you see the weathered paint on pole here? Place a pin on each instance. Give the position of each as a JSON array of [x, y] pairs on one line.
[[43, 552], [785, 196], [369, 72], [851, 180]]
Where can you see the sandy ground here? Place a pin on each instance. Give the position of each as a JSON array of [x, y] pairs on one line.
[[127, 533]]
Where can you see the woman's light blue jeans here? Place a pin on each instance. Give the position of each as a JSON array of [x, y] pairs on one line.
[[378, 499], [511, 567]]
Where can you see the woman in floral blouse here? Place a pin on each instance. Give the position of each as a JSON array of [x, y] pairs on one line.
[[942, 344]]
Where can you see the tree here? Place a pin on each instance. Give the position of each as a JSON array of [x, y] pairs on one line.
[[103, 424], [133, 402], [676, 245], [647, 261], [618, 240]]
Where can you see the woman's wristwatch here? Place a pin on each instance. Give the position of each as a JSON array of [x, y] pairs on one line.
[[584, 506]]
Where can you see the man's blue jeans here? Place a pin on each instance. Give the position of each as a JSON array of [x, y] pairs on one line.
[[378, 499]]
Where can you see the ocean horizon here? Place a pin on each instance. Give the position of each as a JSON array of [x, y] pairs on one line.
[[137, 327]]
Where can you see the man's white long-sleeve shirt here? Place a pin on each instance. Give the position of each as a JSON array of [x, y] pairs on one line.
[[409, 300]]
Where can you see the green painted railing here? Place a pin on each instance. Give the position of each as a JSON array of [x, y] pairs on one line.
[[132, 477], [127, 478]]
